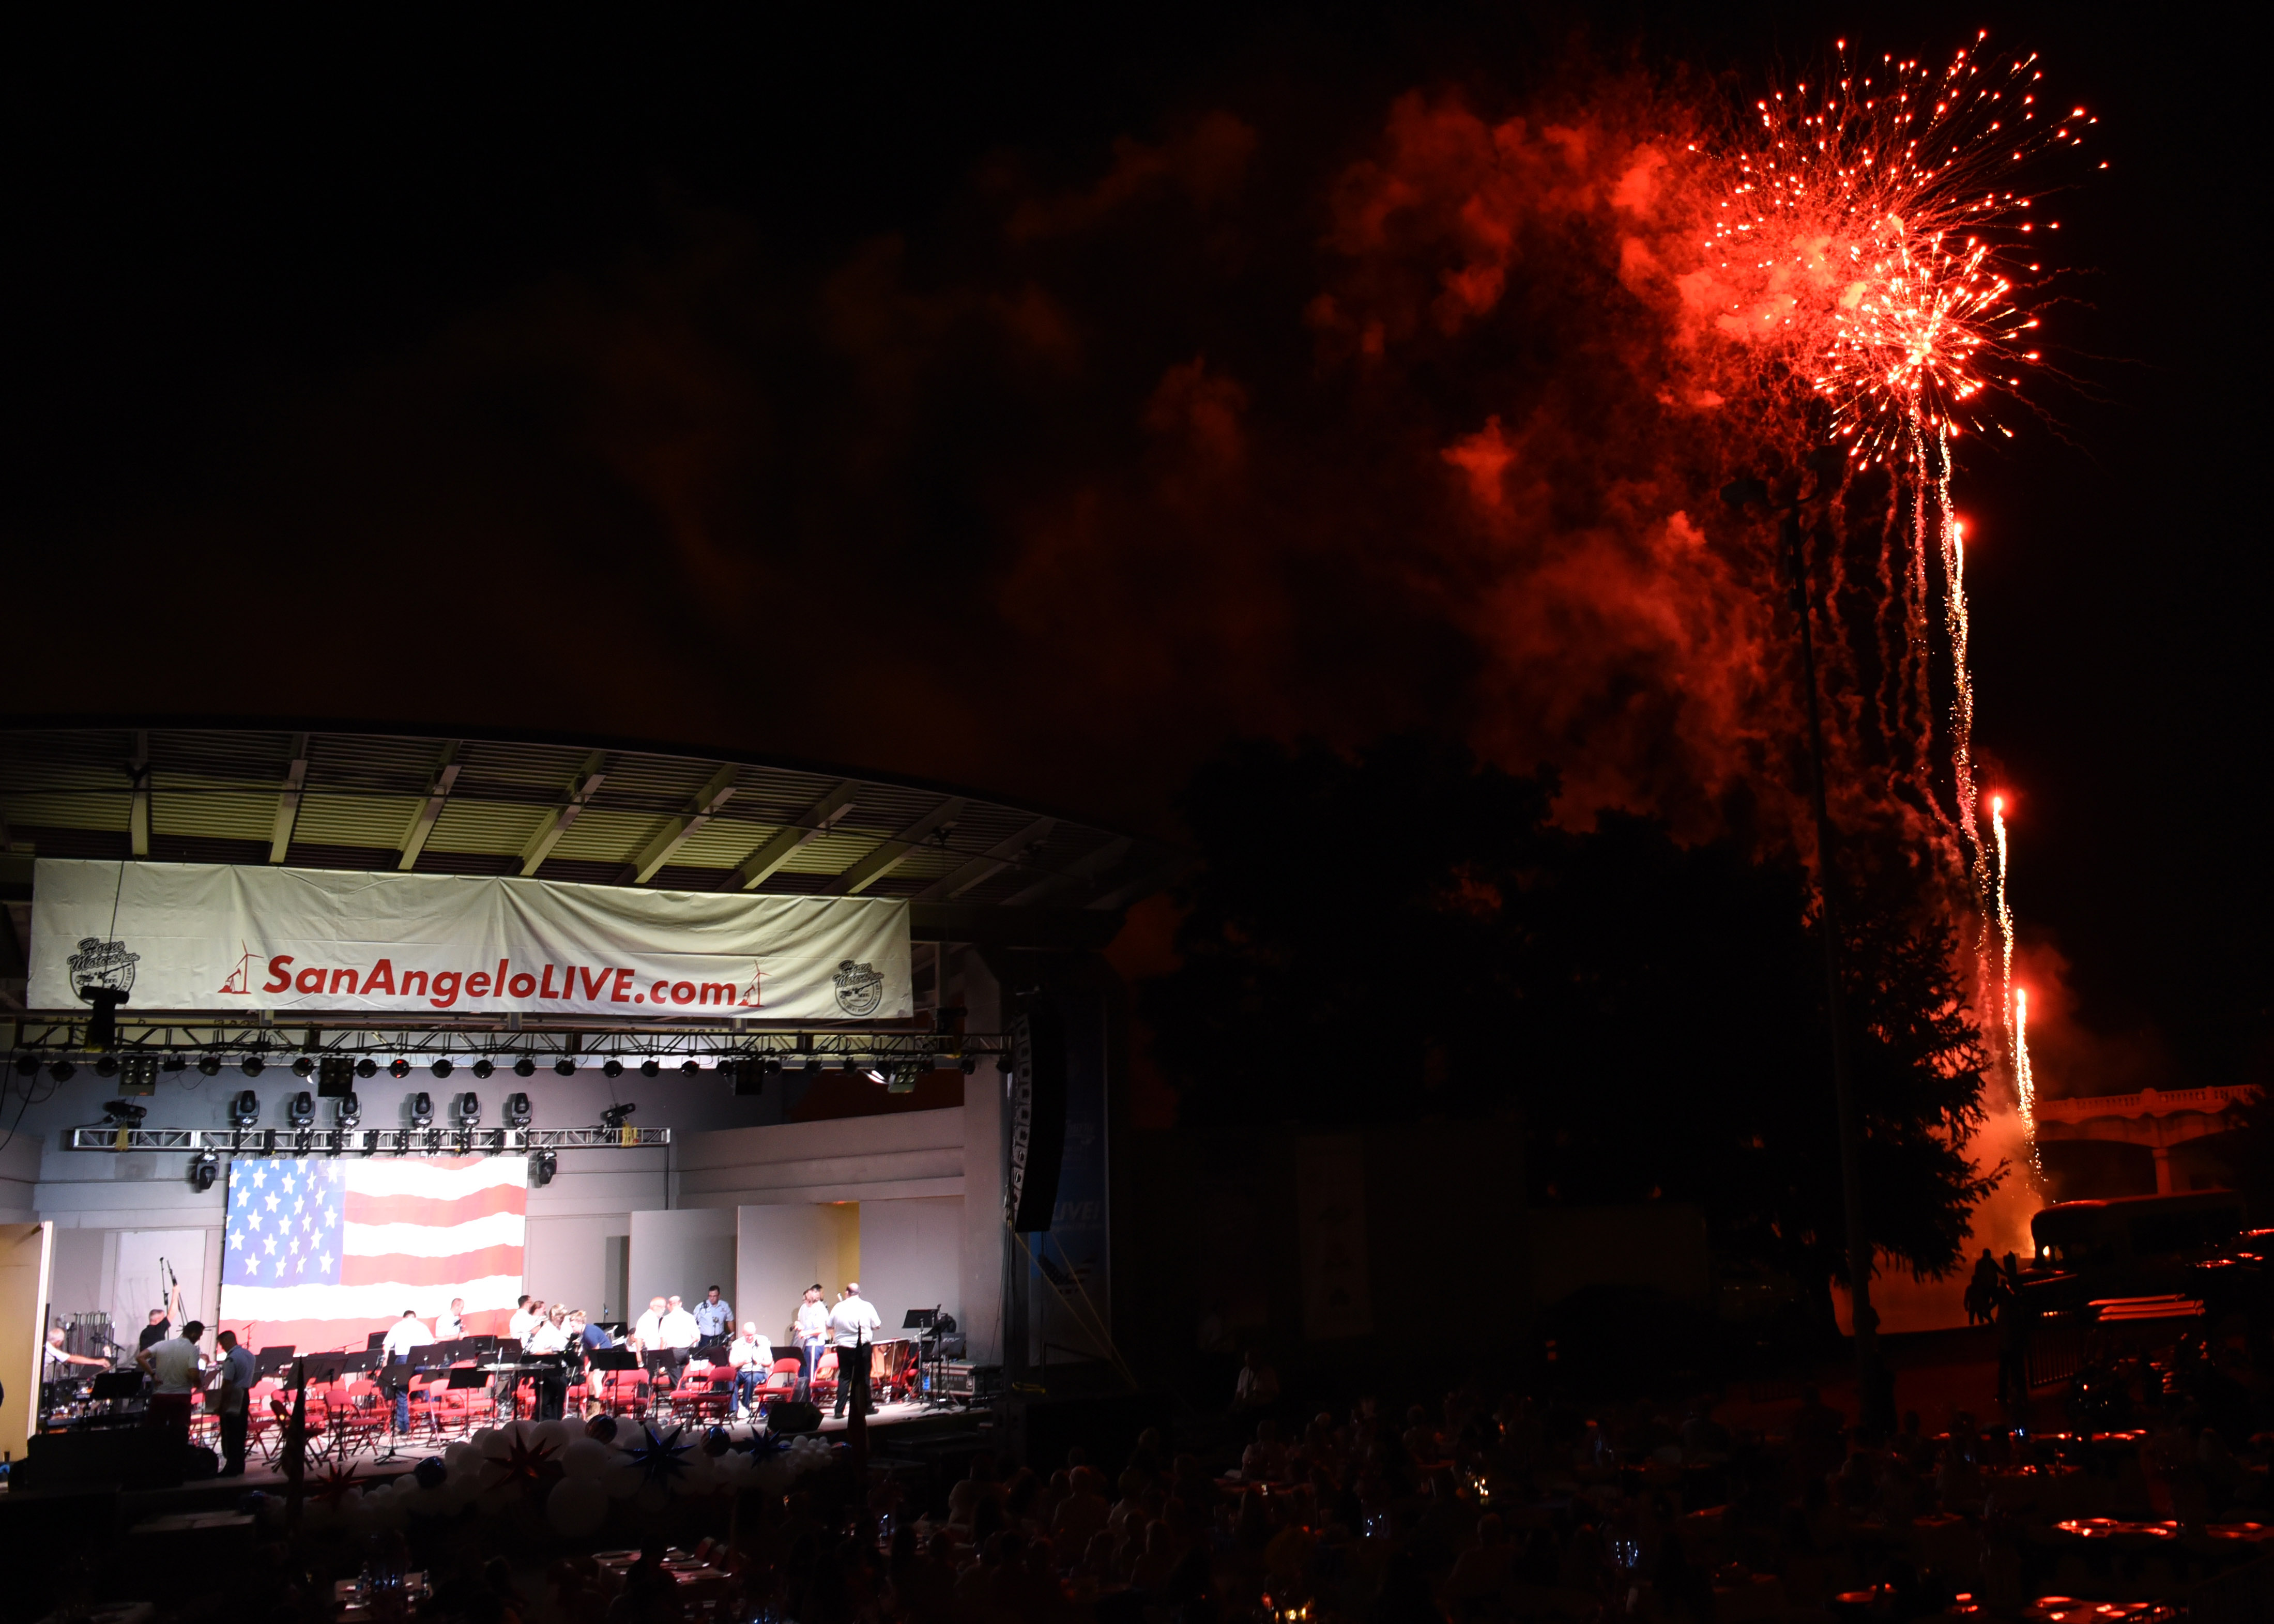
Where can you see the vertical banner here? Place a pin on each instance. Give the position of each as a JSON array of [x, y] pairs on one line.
[[1330, 1218], [1073, 1292]]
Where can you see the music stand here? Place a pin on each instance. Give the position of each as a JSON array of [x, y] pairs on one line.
[[614, 1359], [374, 1339], [272, 1361], [481, 1347], [117, 1385], [463, 1377], [326, 1366], [369, 1359]]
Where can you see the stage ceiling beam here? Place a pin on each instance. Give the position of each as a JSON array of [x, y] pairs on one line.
[[700, 810], [556, 823], [989, 864], [288, 800], [887, 855], [438, 796], [808, 826]]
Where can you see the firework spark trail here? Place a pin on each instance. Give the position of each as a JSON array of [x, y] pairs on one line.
[[2025, 1084], [2013, 1002], [1868, 249]]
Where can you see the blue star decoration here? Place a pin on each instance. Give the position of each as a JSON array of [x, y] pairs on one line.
[[657, 1455], [762, 1446]]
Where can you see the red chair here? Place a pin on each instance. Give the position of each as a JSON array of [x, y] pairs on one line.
[[695, 1392], [624, 1392], [824, 1377]]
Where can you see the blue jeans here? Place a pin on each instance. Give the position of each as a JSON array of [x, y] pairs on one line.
[[402, 1409], [746, 1385], [808, 1354]]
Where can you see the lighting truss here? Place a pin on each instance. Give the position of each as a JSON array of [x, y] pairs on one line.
[[435, 1141]]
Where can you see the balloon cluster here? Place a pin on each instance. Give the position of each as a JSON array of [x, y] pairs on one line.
[[575, 1470]]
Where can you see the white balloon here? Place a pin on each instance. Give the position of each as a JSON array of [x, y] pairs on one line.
[[482, 1440], [620, 1480], [589, 1457], [558, 1434], [461, 1456], [576, 1507]]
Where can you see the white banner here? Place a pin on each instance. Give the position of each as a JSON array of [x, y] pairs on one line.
[[210, 936]]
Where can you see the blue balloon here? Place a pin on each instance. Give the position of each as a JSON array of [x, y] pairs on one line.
[[602, 1427], [431, 1472], [716, 1441]]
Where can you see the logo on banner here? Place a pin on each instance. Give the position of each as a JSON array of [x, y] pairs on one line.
[[102, 967], [860, 988]]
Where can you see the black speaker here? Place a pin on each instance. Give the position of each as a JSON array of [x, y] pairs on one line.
[[128, 1457], [789, 1416], [1038, 1115]]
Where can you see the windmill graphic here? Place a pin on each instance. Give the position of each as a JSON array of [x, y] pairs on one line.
[[240, 980], [749, 999]]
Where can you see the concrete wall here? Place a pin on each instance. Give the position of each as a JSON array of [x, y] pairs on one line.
[[680, 1253], [912, 1256]]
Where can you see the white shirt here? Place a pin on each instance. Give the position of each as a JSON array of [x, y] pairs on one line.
[[518, 1327], [647, 1331], [404, 1335], [853, 1317], [173, 1364], [678, 1329], [743, 1351], [812, 1322], [449, 1328], [544, 1337]]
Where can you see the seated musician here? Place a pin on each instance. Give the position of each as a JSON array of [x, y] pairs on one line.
[[548, 1340], [589, 1336], [752, 1356], [55, 1366]]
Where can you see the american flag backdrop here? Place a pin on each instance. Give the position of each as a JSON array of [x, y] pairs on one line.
[[319, 1252]]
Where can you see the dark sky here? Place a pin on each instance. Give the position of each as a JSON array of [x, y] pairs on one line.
[[935, 393]]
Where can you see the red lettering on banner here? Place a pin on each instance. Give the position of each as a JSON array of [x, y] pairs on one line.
[[414, 983], [477, 984], [681, 992], [284, 982], [382, 980], [622, 985], [309, 980], [348, 977], [723, 991], [523, 984], [546, 990], [660, 991], [499, 982], [446, 988], [594, 983]]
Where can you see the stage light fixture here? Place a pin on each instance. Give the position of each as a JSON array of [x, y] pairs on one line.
[[611, 1068], [1002, 1064], [483, 1068], [615, 1116], [203, 1166], [398, 1068], [350, 1110], [210, 1065], [244, 1109], [772, 1065], [526, 1066], [173, 1062], [689, 1068], [251, 1065], [123, 1111], [541, 1169], [442, 1067], [305, 1065], [813, 1066], [422, 1111], [62, 1071], [368, 1067], [300, 1109], [469, 1110], [970, 1064], [516, 1111], [107, 1065], [748, 1077], [27, 1065], [564, 1067], [336, 1076], [651, 1068], [873, 1074]]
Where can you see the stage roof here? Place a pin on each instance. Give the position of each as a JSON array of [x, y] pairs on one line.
[[598, 812]]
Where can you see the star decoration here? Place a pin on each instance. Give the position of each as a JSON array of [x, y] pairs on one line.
[[657, 1455], [532, 1466], [337, 1484], [762, 1446]]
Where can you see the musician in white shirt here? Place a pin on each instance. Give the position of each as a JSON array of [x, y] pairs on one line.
[[679, 1333], [548, 1338], [752, 1356], [452, 1325], [518, 1328], [405, 1335], [812, 1336], [854, 1320]]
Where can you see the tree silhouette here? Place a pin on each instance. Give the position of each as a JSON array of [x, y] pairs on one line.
[[1402, 933]]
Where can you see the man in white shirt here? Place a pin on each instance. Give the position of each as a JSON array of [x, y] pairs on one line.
[[647, 1330], [549, 1336], [854, 1323], [405, 1335], [679, 1334], [175, 1369], [451, 1325], [518, 1328], [752, 1356], [812, 1336]]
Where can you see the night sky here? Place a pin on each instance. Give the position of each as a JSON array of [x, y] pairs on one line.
[[946, 394]]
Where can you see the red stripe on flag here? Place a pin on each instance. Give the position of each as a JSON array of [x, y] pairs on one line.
[[344, 1336], [383, 1267], [432, 1214]]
